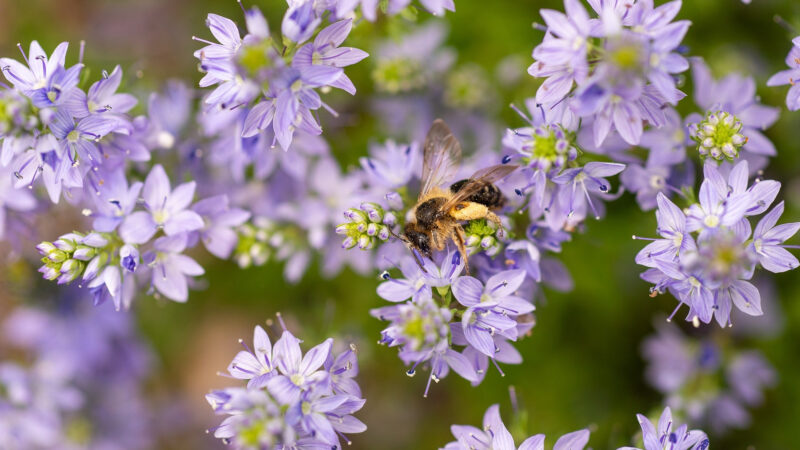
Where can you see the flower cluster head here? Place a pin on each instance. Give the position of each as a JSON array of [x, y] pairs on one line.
[[667, 435], [559, 191], [718, 136], [734, 118], [493, 435], [56, 132], [291, 400], [438, 310], [791, 76], [276, 87], [707, 253], [128, 248], [367, 224], [706, 380], [617, 69]]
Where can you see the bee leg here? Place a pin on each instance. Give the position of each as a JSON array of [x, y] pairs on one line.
[[459, 239], [493, 217]]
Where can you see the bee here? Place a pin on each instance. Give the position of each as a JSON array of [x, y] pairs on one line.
[[439, 211]]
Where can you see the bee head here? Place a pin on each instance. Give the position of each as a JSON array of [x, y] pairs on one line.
[[417, 240]]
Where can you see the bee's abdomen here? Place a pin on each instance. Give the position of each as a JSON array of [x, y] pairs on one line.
[[488, 195]]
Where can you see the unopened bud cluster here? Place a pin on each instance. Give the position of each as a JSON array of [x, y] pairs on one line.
[[75, 255], [719, 136], [484, 235], [367, 224]]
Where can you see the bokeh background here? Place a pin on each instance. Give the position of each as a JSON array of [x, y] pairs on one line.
[[583, 365]]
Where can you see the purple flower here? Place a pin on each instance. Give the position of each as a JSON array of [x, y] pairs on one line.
[[102, 98], [442, 274], [300, 22], [391, 165], [298, 373], [219, 219], [495, 436], [790, 76], [343, 369], [327, 50], [58, 89], [166, 208], [256, 366], [414, 286], [246, 410], [115, 200], [490, 308], [718, 206], [578, 186], [768, 241], [668, 435], [672, 228], [34, 76], [219, 61], [77, 141], [323, 417], [44, 79], [421, 329], [170, 266]]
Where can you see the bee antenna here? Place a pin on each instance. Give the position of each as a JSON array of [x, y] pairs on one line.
[[398, 236]]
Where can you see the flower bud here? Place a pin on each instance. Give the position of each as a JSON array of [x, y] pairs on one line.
[[57, 256], [49, 272], [70, 270], [65, 244], [372, 229], [45, 248], [95, 240], [355, 215], [129, 257], [84, 253], [395, 201], [365, 242], [349, 243], [389, 219]]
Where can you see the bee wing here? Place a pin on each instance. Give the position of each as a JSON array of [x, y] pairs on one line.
[[442, 156], [477, 181]]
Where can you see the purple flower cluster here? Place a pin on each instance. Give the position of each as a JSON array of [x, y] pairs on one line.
[[616, 70], [62, 144], [291, 400], [438, 310], [84, 386], [276, 89], [706, 380], [559, 192], [494, 435], [129, 248], [707, 253]]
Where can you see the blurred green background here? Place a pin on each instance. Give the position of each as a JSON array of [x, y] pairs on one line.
[[582, 362]]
